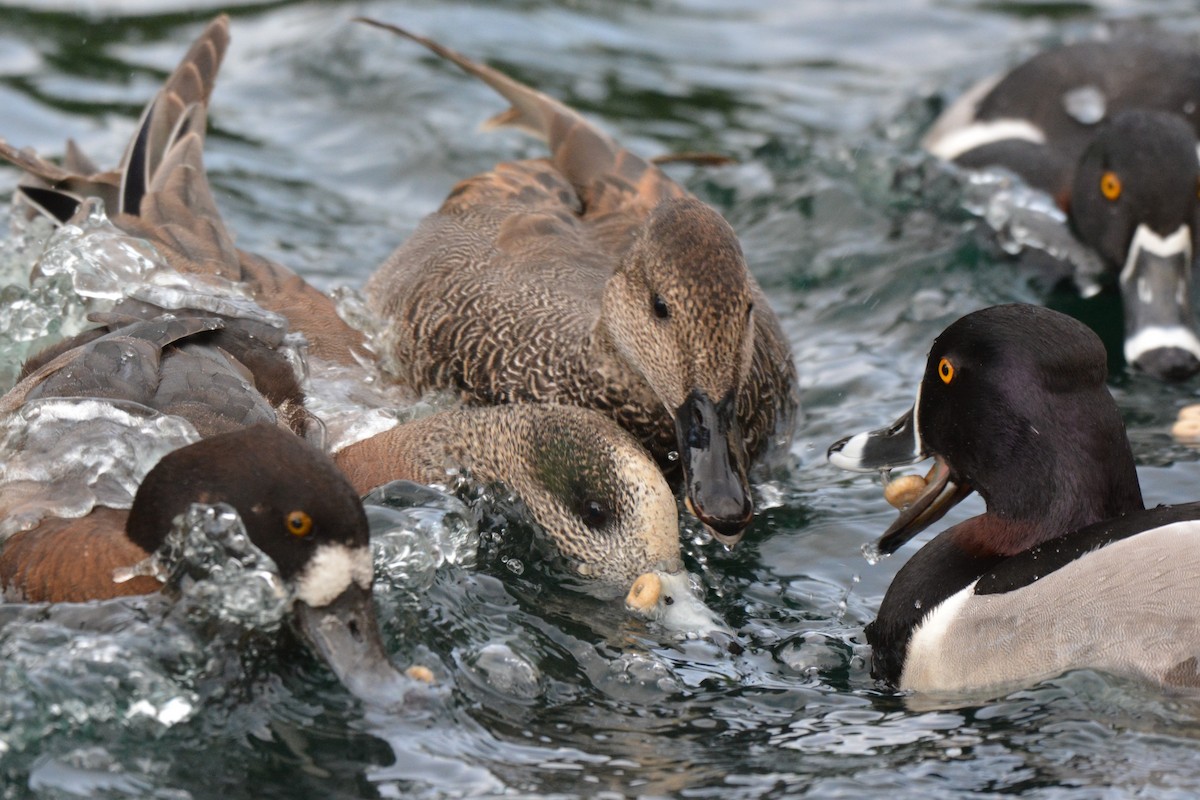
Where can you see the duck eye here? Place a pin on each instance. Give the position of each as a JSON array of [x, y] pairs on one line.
[[594, 514], [1110, 185], [945, 370], [660, 307], [299, 523]]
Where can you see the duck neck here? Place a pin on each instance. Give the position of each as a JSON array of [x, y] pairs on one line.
[[1069, 492]]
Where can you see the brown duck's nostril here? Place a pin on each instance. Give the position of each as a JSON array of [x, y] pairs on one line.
[[355, 630]]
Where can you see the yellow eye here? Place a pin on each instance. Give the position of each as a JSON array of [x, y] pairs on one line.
[[945, 370], [299, 523], [1110, 185]]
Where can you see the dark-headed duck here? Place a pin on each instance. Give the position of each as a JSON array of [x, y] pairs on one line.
[[297, 507], [590, 278], [1066, 569], [1109, 130]]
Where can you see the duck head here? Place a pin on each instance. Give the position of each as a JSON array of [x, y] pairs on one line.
[[1134, 200], [1013, 404], [300, 510], [678, 310], [597, 493]]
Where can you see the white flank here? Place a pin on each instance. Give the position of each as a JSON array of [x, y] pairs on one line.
[[927, 646], [330, 572]]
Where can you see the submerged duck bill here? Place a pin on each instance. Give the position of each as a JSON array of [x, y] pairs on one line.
[[713, 459], [939, 496], [345, 633], [1160, 327]]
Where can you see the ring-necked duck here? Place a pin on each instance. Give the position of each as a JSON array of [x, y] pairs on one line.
[[1109, 130], [591, 278], [1066, 569], [592, 488], [160, 192]]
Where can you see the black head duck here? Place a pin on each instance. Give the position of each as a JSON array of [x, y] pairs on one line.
[[1065, 569], [1109, 130], [297, 507], [590, 278]]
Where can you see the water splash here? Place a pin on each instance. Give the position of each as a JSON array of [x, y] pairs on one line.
[[871, 552], [415, 530], [1023, 217], [1086, 104], [62, 457], [209, 562]]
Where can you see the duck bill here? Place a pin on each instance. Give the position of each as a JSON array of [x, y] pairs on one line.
[[898, 445], [345, 633], [1156, 291], [939, 496], [714, 465]]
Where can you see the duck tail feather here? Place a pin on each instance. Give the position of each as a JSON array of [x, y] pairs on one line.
[[578, 148], [170, 114]]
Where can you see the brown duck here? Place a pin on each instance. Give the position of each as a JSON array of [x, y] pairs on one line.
[[591, 278], [161, 171], [599, 496]]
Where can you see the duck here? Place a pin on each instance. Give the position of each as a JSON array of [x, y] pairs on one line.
[[227, 381], [1066, 569], [296, 506], [600, 498], [590, 278], [160, 192], [1109, 130]]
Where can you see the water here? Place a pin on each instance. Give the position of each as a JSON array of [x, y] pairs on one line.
[[329, 142]]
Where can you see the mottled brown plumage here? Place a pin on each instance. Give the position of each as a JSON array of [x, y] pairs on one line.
[[160, 192], [591, 487], [591, 278]]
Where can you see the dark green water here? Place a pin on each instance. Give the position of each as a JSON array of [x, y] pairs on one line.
[[329, 142]]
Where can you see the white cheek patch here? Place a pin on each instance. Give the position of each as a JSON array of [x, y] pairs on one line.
[[978, 134], [331, 570]]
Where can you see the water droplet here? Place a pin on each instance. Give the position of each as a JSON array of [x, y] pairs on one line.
[[917, 603], [870, 552], [673, 456]]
